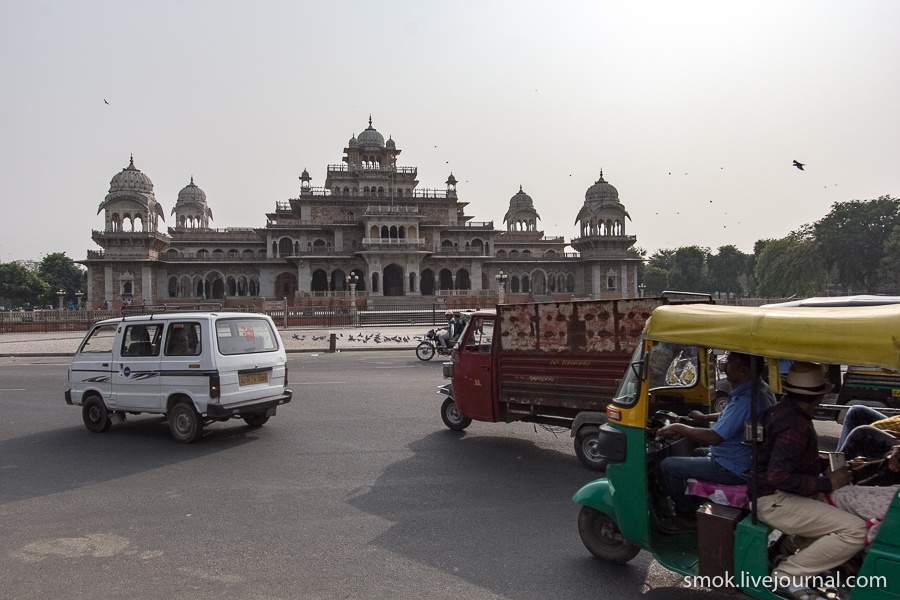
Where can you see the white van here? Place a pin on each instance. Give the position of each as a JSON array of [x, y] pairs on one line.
[[194, 368]]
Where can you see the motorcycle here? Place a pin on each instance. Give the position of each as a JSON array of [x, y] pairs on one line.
[[430, 346]]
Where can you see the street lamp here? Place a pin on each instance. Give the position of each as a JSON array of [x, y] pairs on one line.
[[61, 294], [78, 296], [352, 278], [501, 278], [642, 287]]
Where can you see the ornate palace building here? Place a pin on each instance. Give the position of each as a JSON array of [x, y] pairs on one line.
[[371, 225]]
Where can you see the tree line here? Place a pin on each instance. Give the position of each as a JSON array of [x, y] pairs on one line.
[[35, 284], [854, 249]]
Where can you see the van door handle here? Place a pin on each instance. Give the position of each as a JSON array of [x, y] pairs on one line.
[[486, 367], [105, 365]]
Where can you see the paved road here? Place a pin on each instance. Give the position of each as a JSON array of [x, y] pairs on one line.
[[354, 490]]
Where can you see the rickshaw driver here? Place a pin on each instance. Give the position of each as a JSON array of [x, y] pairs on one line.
[[790, 480], [724, 458]]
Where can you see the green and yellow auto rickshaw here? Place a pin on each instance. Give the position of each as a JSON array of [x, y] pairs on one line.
[[670, 373]]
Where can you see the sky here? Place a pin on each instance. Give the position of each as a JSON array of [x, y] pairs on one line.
[[694, 111]]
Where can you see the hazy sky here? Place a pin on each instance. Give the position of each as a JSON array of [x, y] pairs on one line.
[[693, 110]]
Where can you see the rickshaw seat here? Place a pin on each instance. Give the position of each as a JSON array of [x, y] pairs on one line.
[[727, 495]]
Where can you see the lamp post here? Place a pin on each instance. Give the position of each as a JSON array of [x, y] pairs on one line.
[[642, 287], [61, 294], [352, 278], [78, 296], [501, 278]]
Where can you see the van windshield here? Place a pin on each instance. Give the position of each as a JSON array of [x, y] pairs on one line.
[[245, 336]]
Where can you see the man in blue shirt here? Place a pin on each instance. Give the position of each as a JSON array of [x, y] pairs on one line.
[[723, 458]]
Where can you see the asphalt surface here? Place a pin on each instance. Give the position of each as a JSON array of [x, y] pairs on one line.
[[354, 490]]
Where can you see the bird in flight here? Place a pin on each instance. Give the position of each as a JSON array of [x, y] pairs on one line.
[[798, 164], [105, 102]]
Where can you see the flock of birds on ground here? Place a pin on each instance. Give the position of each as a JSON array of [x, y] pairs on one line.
[[361, 337]]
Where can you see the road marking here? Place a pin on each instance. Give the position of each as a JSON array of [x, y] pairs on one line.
[[316, 382], [13, 390]]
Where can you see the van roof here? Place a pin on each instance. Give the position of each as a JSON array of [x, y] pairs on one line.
[[866, 335], [181, 316]]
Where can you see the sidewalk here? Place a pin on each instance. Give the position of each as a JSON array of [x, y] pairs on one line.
[[65, 343]]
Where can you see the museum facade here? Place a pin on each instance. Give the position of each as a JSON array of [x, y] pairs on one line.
[[370, 227]]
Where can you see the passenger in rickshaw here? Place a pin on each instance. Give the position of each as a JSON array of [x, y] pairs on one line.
[[722, 457], [867, 433], [791, 486]]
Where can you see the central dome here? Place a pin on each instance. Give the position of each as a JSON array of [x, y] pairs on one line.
[[130, 179], [370, 137], [521, 200]]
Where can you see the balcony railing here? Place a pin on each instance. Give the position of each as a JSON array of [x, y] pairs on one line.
[[382, 170], [184, 234], [393, 241], [399, 209]]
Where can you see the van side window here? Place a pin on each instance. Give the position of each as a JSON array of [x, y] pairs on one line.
[[101, 340], [481, 336], [141, 340], [673, 365], [183, 339]]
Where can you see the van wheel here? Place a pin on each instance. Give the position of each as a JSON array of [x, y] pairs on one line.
[[586, 448], [602, 537], [256, 419], [185, 423], [424, 351], [451, 416], [95, 415]]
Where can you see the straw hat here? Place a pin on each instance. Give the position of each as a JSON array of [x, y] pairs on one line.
[[807, 379]]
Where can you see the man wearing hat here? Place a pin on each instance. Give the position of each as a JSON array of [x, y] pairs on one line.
[[791, 484]]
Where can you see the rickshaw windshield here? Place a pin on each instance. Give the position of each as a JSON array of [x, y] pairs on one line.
[[673, 366], [628, 390]]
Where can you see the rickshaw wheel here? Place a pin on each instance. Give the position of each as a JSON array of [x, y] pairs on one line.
[[451, 416], [602, 537], [719, 403]]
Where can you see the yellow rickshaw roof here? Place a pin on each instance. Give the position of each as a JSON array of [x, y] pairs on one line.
[[867, 335]]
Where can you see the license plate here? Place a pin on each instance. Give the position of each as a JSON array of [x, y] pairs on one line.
[[895, 393], [253, 379]]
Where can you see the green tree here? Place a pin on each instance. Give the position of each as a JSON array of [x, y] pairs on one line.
[[689, 270], [792, 266], [655, 281], [726, 268], [19, 286], [890, 263], [852, 239], [662, 259], [61, 273]]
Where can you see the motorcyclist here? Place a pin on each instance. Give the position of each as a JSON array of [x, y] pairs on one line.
[[449, 330]]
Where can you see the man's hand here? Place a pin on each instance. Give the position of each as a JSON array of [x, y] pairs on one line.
[[839, 478], [670, 429], [894, 459], [697, 417]]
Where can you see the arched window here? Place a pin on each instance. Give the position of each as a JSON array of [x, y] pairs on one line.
[[173, 287], [285, 246], [385, 232], [514, 284], [319, 281]]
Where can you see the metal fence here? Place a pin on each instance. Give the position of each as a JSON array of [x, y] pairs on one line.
[[44, 321]]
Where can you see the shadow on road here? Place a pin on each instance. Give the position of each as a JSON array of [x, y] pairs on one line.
[[497, 512], [63, 459]]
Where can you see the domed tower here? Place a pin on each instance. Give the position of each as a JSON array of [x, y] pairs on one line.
[[130, 204], [521, 215], [370, 169], [601, 220], [190, 209], [131, 240]]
